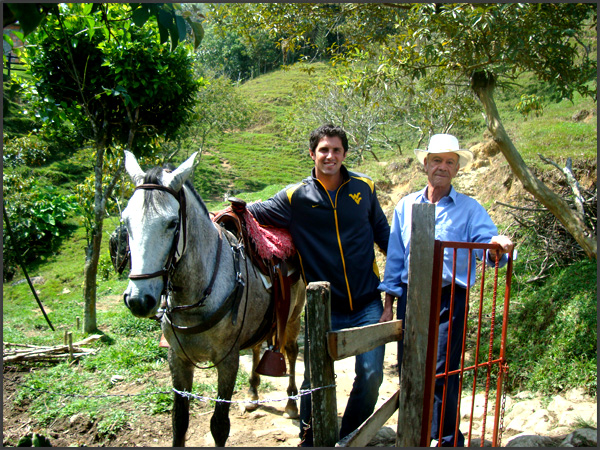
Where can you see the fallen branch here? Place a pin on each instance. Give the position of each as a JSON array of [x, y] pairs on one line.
[[567, 171], [497, 202], [25, 352]]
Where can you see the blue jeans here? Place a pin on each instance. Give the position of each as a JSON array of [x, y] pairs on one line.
[[458, 315], [368, 369]]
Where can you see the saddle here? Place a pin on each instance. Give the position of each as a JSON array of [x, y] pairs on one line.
[[239, 221]]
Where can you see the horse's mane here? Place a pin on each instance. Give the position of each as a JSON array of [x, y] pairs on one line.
[[154, 176]]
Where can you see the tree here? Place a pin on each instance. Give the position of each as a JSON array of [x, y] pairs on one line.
[[366, 121], [487, 44], [170, 24], [474, 47], [120, 86]]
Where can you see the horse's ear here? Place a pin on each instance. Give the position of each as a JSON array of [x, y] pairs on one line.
[[175, 179], [133, 168]]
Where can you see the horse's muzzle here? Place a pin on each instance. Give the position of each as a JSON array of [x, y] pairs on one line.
[[141, 307]]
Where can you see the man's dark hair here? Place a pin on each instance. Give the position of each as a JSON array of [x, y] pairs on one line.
[[328, 130]]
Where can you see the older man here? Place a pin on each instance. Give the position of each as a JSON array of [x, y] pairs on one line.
[[458, 217]]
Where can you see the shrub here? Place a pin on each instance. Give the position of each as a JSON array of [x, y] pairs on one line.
[[530, 104], [553, 330], [25, 150], [38, 216]]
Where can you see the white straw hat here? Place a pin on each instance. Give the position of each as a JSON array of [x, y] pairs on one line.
[[443, 143]]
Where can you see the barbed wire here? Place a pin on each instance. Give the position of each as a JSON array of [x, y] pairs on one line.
[[202, 398], [301, 393]]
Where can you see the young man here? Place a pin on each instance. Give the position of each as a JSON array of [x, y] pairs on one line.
[[457, 218], [334, 218]]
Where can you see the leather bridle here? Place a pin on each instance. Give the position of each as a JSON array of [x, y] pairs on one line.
[[232, 301], [171, 262]]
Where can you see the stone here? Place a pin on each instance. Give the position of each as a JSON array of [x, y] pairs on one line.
[[530, 440], [34, 280], [478, 409], [524, 395], [576, 395], [385, 437], [476, 442], [539, 422], [584, 437], [523, 408], [580, 115], [585, 412], [559, 404]]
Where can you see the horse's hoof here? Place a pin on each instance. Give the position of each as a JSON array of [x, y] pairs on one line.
[[291, 413], [250, 406]]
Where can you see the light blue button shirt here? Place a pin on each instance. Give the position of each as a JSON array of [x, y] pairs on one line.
[[458, 217]]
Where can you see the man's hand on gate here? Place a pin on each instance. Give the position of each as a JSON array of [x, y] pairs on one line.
[[504, 242]]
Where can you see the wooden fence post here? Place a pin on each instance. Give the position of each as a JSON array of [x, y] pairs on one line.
[[412, 380], [324, 404]]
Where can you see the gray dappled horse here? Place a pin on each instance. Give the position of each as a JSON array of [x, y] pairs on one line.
[[216, 302]]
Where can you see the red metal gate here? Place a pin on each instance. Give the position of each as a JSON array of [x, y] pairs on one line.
[[480, 320]]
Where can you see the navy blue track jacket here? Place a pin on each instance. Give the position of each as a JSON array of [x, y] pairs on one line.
[[334, 236]]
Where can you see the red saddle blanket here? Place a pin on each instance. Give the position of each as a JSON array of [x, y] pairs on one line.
[[269, 242]]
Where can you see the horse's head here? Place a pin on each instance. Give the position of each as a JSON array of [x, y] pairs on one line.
[[152, 218]]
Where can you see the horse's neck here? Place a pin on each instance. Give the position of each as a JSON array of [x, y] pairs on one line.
[[200, 259]]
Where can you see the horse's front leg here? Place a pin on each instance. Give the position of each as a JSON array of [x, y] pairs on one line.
[[219, 423], [254, 381], [182, 375]]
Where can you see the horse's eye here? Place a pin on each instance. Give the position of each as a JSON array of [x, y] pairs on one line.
[[173, 225]]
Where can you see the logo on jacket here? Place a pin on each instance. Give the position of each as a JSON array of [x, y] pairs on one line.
[[356, 197]]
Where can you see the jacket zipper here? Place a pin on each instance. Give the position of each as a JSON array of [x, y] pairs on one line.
[[337, 231]]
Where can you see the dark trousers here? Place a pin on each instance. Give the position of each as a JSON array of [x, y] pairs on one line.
[[452, 390]]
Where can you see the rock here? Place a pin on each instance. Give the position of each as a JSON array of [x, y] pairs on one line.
[[584, 437], [559, 404], [116, 379], [576, 395], [478, 410], [34, 281], [529, 440], [579, 116], [585, 412], [523, 409], [487, 149], [477, 443], [386, 437], [524, 394]]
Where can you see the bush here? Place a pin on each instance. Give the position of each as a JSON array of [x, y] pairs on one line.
[[25, 150], [552, 335], [37, 215]]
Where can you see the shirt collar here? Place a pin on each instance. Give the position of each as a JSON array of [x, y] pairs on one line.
[[343, 170], [423, 197]]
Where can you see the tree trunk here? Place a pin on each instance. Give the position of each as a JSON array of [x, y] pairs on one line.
[[483, 85], [92, 252]]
